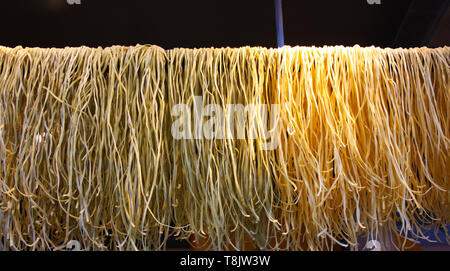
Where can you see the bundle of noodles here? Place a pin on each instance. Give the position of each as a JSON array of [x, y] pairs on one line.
[[84, 151], [367, 144], [226, 191], [88, 150]]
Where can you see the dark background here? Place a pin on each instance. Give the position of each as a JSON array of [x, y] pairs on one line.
[[207, 23]]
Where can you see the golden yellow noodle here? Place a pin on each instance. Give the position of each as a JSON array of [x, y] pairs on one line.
[[87, 151]]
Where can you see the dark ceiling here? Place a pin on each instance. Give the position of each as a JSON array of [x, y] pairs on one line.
[[169, 23]]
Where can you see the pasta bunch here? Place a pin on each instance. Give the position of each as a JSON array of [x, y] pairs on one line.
[[88, 152]]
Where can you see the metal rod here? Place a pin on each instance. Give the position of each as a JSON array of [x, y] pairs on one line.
[[279, 23]]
